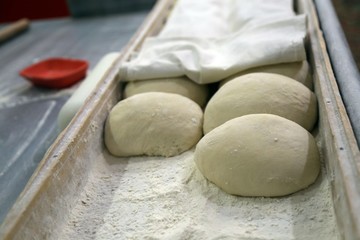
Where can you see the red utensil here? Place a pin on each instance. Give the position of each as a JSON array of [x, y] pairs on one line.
[[55, 72]]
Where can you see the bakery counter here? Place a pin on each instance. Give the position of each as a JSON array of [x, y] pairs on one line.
[[27, 113]]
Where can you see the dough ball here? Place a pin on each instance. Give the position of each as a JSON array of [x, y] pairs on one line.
[[262, 93], [154, 124], [183, 86], [259, 155], [296, 70]]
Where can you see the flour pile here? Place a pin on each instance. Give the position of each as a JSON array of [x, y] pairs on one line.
[[168, 198]]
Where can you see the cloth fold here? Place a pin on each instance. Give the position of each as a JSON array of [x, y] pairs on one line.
[[226, 37]]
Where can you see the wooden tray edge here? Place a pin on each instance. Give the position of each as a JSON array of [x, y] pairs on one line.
[[341, 148], [46, 175]]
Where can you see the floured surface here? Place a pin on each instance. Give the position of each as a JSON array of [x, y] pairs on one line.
[[168, 198]]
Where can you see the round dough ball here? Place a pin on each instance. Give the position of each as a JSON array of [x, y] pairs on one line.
[[262, 93], [154, 124], [296, 70], [259, 155], [183, 86]]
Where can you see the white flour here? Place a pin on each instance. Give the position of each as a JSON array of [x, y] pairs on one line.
[[168, 198]]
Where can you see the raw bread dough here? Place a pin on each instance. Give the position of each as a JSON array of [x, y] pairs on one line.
[[259, 155], [154, 124], [295, 70], [262, 93], [183, 86], [77, 99]]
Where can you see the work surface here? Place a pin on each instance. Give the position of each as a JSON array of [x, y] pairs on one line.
[[28, 114]]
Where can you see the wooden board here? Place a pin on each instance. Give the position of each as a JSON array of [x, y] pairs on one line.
[[52, 192], [338, 139]]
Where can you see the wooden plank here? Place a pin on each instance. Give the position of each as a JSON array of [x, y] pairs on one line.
[[346, 71], [338, 139]]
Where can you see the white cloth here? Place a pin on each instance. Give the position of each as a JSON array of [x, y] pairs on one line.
[[209, 40]]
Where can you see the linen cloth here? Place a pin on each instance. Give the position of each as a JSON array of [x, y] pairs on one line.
[[209, 40]]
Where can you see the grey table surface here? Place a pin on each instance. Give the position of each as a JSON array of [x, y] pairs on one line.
[[28, 114]]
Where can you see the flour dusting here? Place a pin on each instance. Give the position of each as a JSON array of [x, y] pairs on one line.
[[168, 198]]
